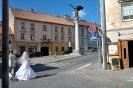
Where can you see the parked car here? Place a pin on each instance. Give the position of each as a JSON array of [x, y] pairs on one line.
[[66, 52], [93, 50], [35, 54]]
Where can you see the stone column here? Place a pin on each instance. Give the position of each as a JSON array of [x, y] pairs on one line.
[[76, 35]]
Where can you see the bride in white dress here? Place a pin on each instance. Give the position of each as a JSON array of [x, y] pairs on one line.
[[25, 72]]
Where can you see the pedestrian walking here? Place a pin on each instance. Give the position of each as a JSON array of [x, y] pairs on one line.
[[25, 72], [55, 54], [12, 60]]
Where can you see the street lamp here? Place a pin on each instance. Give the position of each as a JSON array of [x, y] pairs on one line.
[[76, 20], [103, 27], [5, 43]]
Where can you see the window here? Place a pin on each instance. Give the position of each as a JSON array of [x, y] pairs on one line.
[[127, 11], [44, 28], [56, 49], [56, 37], [69, 30], [22, 25], [62, 38], [82, 42], [69, 39], [44, 37], [10, 42], [56, 29], [62, 29], [32, 26], [62, 48], [32, 37], [22, 36], [32, 49], [82, 32]]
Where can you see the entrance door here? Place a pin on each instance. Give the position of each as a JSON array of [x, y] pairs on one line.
[[45, 51], [125, 55], [22, 49]]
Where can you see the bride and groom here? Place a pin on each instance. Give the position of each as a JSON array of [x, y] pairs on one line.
[[25, 72]]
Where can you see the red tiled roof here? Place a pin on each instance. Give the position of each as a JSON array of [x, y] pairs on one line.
[[35, 16], [10, 31], [85, 23]]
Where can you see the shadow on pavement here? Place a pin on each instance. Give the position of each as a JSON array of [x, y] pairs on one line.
[[42, 67], [40, 76]]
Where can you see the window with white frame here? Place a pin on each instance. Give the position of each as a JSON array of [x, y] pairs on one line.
[[127, 11], [32, 37], [62, 29], [62, 38], [69, 38], [69, 30], [44, 28], [56, 37], [82, 42], [56, 29], [82, 32], [22, 25], [22, 36], [32, 26], [44, 37]]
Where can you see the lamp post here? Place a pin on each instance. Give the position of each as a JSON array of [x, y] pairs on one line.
[[76, 21], [5, 43], [103, 27]]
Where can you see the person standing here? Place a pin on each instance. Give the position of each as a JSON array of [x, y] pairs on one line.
[[12, 60], [25, 72]]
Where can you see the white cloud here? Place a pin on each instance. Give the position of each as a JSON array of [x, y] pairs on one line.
[[81, 14]]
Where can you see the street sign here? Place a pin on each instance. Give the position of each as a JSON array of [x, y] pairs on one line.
[[93, 36], [92, 29], [100, 31]]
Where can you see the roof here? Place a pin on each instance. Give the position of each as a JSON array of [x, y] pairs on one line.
[[35, 16], [10, 31], [85, 23]]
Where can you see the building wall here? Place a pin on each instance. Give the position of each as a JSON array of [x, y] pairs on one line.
[[38, 32], [83, 37], [114, 23]]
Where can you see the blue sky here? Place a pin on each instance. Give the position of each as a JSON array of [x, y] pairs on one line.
[[61, 7]]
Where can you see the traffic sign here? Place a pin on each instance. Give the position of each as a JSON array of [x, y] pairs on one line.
[[93, 36], [92, 29]]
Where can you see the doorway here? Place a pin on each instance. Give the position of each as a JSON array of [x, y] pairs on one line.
[[130, 51], [127, 55], [45, 51], [22, 49]]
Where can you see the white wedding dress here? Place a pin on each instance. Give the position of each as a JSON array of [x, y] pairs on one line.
[[25, 72]]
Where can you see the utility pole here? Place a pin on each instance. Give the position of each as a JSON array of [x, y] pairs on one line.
[[103, 27], [5, 47]]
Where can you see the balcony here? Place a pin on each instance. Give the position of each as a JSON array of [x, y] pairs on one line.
[[123, 1], [45, 40]]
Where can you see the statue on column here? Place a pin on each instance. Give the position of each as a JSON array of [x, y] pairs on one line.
[[76, 9]]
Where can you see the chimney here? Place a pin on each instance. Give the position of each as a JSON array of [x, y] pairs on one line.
[[66, 16], [31, 10], [57, 15]]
